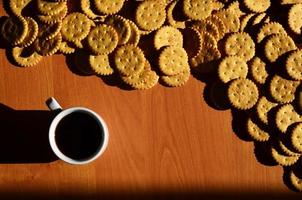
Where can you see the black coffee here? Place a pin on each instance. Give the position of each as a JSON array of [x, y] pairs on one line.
[[78, 135]]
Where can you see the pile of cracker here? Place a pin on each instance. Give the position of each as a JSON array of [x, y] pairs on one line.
[[251, 46]]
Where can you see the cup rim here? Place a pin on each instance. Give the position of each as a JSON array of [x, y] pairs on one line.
[[56, 149]]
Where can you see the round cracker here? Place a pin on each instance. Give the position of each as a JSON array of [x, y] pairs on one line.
[[240, 44], [150, 15], [109, 6], [173, 60], [256, 132], [293, 65], [102, 39], [14, 30], [258, 70], [286, 116], [230, 20], [178, 79], [243, 94], [257, 5], [17, 6], [50, 19], [277, 45], [100, 64], [121, 26], [168, 36], [296, 181], [170, 18], [197, 9], [129, 60], [270, 29], [295, 19], [283, 90], [48, 47], [283, 160], [232, 67], [263, 107], [25, 61], [32, 32], [296, 137], [135, 34], [206, 26], [50, 8]]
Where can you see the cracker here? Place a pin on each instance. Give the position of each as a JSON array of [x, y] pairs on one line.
[[219, 24], [25, 60], [102, 39], [75, 27], [17, 6], [258, 19], [256, 132], [205, 26], [193, 41], [240, 44], [134, 34], [48, 47], [173, 60], [263, 107], [170, 18], [287, 2], [283, 90], [286, 116], [32, 32], [178, 79], [49, 31], [234, 7], [232, 67], [296, 137], [14, 30], [243, 94], [283, 160], [168, 36], [257, 6], [145, 79], [230, 20], [50, 19], [294, 18], [216, 5], [270, 29], [245, 20], [150, 15], [50, 8], [100, 64], [201, 61], [197, 9], [295, 181], [109, 6], [129, 60], [258, 70], [121, 26], [86, 8], [277, 45], [293, 65], [66, 48]]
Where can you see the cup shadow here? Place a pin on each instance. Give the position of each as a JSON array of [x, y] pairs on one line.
[[24, 136]]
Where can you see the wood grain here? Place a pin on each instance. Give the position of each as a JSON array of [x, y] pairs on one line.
[[162, 141]]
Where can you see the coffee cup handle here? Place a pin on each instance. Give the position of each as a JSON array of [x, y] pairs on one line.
[[53, 104]]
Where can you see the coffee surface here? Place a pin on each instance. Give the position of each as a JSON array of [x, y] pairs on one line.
[[78, 135]]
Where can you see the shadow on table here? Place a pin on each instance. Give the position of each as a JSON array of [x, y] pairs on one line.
[[24, 136], [148, 195]]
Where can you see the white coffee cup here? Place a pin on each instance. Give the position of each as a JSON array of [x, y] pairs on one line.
[[55, 106]]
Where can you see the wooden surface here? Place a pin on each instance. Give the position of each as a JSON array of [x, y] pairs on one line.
[[163, 141]]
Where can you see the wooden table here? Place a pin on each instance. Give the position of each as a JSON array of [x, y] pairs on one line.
[[163, 141]]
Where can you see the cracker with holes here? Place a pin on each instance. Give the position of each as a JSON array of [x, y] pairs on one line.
[[48, 47], [121, 26], [257, 5], [277, 45], [100, 64], [75, 27], [283, 160], [241, 45], [170, 18], [173, 60], [150, 15], [270, 29], [50, 8], [134, 34], [263, 107], [14, 30], [178, 79], [256, 132], [296, 137], [197, 9], [50, 19], [283, 90], [168, 36], [109, 6], [294, 65], [17, 6], [286, 116], [129, 60], [243, 94], [258, 70], [102, 39], [294, 18], [232, 67], [230, 20], [206, 26], [24, 58], [296, 181]]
